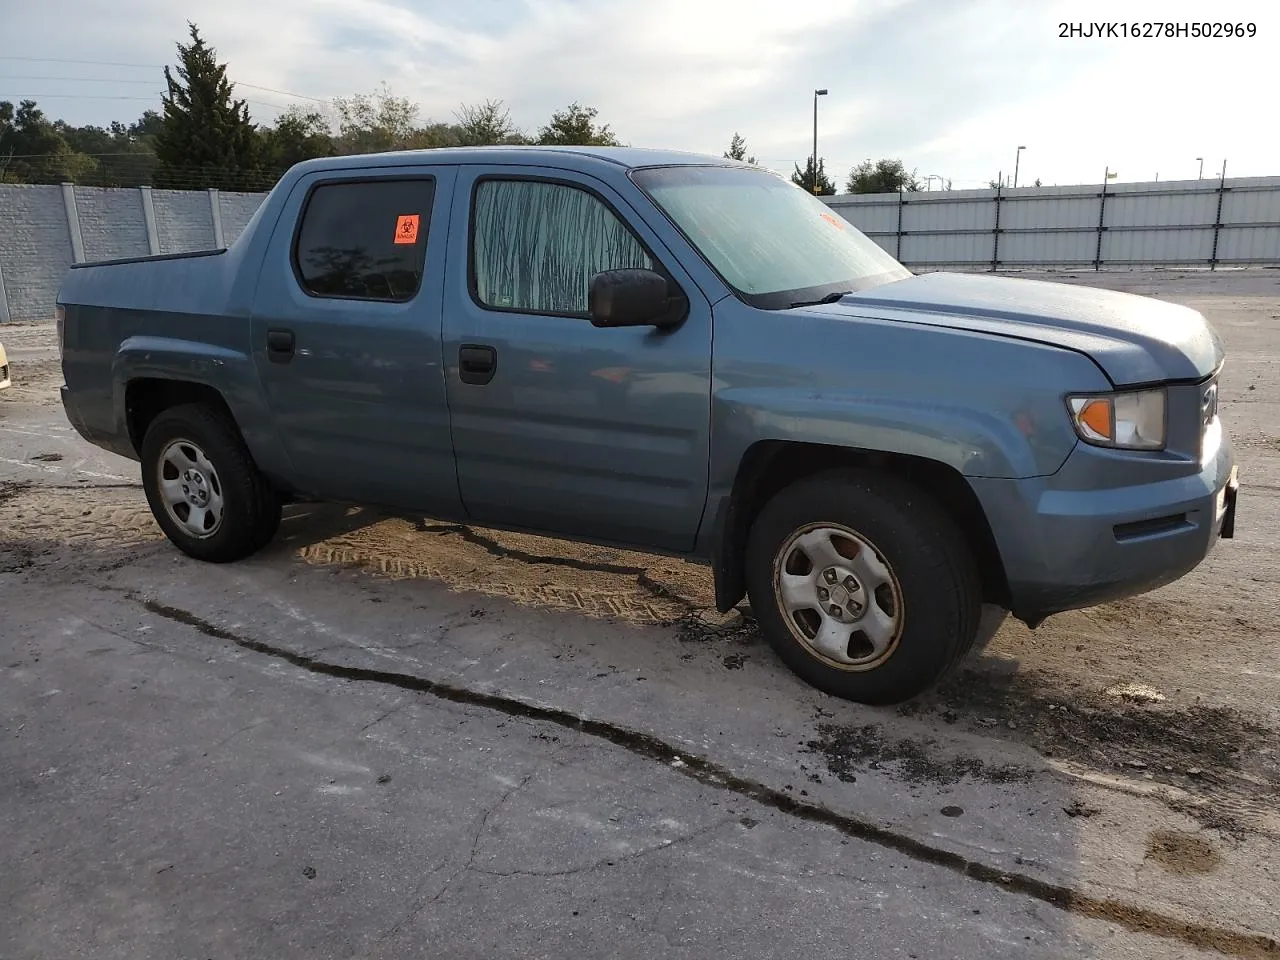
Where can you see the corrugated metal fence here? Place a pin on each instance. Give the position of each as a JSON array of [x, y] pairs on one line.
[[1208, 223]]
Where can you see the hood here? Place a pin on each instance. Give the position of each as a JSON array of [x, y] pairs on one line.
[[1133, 339]]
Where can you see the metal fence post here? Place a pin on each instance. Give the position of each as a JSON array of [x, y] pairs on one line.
[[149, 218], [897, 250], [1102, 213], [73, 222], [995, 233], [215, 208], [1217, 217]]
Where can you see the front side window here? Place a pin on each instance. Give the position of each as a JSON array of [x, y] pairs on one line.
[[535, 246], [772, 242], [365, 240]]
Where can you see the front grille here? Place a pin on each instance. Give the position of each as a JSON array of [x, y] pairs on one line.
[[4, 372]]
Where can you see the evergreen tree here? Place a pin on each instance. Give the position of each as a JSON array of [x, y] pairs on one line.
[[825, 187], [738, 150], [206, 139]]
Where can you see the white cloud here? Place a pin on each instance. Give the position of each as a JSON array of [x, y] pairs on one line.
[[951, 87]]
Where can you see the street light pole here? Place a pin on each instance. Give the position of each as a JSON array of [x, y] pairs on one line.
[[1200, 175], [816, 95], [1017, 157]]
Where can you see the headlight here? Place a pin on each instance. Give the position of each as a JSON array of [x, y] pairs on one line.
[[1128, 421]]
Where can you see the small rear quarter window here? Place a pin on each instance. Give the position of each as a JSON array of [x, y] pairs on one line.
[[365, 240]]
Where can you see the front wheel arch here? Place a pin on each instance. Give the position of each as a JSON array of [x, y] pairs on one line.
[[768, 466]]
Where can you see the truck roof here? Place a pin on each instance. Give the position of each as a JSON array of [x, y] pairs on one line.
[[626, 157]]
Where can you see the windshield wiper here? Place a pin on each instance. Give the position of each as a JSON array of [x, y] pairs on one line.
[[829, 298]]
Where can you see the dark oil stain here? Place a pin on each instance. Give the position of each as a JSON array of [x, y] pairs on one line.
[[850, 749], [1078, 809], [649, 747]]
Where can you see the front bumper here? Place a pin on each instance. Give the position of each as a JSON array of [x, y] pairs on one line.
[[1069, 541]]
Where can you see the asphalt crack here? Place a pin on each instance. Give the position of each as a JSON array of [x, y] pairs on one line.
[[649, 747]]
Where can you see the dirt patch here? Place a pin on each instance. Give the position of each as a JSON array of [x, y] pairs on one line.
[[34, 381], [1202, 749], [850, 750], [10, 489], [1182, 853]]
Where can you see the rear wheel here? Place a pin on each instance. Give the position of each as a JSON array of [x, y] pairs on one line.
[[863, 585], [203, 487]]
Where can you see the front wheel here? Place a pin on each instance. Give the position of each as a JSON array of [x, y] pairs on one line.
[[203, 487], [863, 585]]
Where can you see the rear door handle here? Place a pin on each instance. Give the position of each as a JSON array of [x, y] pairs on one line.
[[477, 363], [279, 346]]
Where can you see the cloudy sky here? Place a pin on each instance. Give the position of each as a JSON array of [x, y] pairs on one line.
[[952, 87]]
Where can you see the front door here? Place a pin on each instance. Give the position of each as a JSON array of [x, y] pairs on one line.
[[346, 336], [559, 426]]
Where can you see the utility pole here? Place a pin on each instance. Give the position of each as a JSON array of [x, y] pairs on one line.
[[816, 95]]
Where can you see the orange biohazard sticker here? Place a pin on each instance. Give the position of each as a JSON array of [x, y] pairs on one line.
[[832, 220], [407, 228]]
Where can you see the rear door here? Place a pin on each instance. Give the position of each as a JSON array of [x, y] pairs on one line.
[[346, 336], [560, 426]]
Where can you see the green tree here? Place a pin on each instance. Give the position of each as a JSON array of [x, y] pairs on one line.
[[738, 150], [882, 176], [486, 124], [33, 150], [206, 139], [575, 125], [377, 122], [298, 135], [825, 188], [124, 154]]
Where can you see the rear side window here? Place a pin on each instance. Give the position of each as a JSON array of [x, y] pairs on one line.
[[365, 241], [535, 246]]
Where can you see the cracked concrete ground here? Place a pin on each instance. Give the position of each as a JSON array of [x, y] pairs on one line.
[[169, 796], [393, 737]]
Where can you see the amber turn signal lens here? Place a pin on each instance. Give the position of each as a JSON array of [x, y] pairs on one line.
[[1096, 415]]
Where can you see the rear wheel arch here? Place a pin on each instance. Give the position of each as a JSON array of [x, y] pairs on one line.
[[147, 397], [769, 466]]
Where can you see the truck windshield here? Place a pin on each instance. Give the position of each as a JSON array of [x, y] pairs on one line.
[[772, 242]]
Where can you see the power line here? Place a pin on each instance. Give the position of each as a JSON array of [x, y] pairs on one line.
[[98, 63], [79, 79], [103, 96], [141, 66], [77, 96]]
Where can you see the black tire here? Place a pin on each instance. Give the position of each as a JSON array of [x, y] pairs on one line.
[[250, 506], [930, 567]]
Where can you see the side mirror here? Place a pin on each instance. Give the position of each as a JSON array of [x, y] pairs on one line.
[[631, 298]]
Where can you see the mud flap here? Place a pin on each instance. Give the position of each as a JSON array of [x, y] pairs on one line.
[[1230, 493]]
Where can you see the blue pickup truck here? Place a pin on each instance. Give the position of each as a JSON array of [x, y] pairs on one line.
[[674, 354]]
